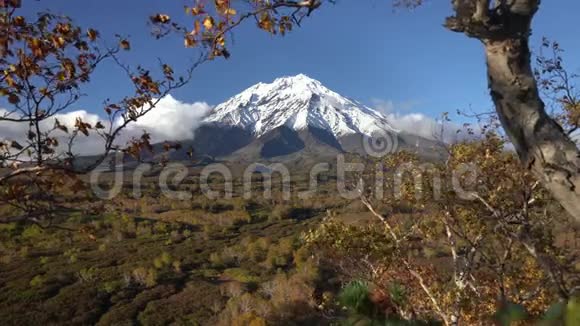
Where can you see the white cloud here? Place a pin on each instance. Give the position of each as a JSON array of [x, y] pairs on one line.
[[419, 123], [170, 120], [17, 131], [82, 144], [389, 106], [384, 106]]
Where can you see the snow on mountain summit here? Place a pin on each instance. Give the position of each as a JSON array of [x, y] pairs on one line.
[[298, 102]]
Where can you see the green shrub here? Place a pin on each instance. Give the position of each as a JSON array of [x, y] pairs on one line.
[[286, 246], [37, 281], [242, 218], [144, 230], [207, 273], [257, 252], [8, 227], [355, 296], [32, 232], [87, 274], [432, 253], [398, 294], [216, 260], [176, 266], [158, 263], [162, 260], [144, 277], [72, 255], [275, 260], [281, 212], [111, 286], [241, 275], [211, 231], [24, 251], [160, 228], [301, 256]]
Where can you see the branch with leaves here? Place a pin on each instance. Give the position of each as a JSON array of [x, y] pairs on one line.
[[46, 61]]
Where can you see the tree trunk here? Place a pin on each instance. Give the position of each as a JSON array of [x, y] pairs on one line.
[[541, 143]]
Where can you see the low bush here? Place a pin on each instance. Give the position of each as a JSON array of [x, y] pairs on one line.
[[240, 275]]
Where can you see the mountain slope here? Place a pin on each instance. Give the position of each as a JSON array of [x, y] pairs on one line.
[[298, 102], [290, 117]]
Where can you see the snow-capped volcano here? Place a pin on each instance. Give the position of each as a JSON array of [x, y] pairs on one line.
[[295, 118], [298, 102]]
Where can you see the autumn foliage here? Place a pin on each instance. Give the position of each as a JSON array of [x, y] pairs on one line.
[[45, 62]]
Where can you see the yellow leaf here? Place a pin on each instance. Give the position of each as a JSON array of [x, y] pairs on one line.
[[19, 21], [60, 41], [189, 41], [197, 27], [92, 34], [208, 22], [167, 69], [10, 81], [161, 18], [221, 41], [197, 10], [266, 23], [230, 12]]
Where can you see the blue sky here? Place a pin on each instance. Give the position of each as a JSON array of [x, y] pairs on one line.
[[362, 49]]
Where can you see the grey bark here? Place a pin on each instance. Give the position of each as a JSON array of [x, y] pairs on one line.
[[542, 145]]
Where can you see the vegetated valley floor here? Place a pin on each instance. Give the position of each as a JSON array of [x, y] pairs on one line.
[[150, 260]]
